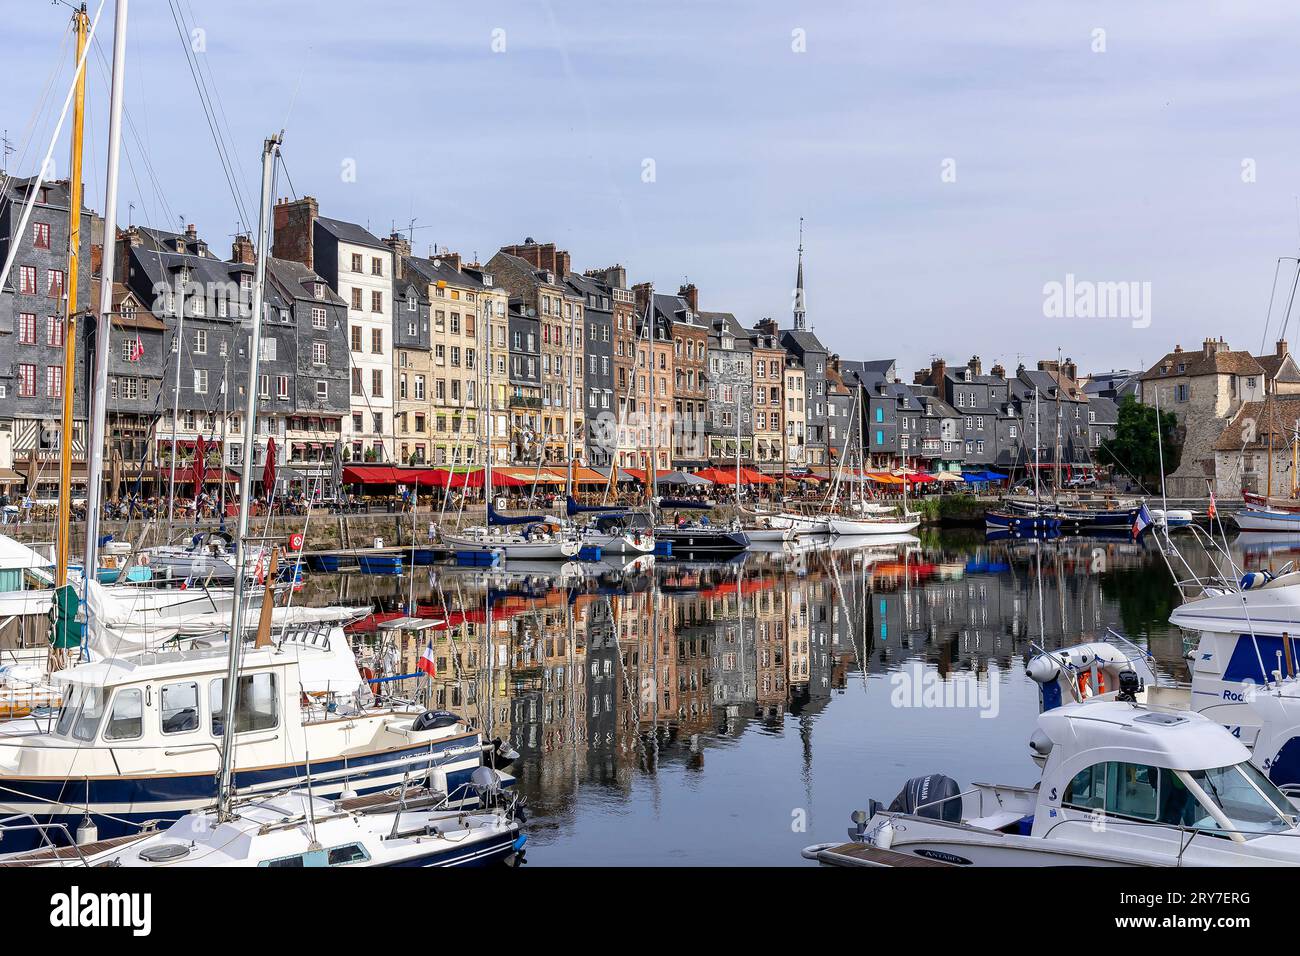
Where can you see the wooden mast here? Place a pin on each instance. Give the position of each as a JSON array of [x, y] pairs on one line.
[[63, 531]]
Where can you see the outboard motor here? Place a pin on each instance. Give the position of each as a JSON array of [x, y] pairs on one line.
[[934, 796], [1130, 685], [435, 720]]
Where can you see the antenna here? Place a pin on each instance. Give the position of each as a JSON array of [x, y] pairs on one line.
[[6, 149]]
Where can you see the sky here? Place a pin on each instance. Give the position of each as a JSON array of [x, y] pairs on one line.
[[951, 160]]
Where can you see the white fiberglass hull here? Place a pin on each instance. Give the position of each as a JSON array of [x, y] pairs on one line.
[[770, 535], [1251, 519], [801, 524], [859, 526], [513, 546], [621, 543]]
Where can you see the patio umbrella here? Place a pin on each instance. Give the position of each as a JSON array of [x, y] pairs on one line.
[[948, 476]]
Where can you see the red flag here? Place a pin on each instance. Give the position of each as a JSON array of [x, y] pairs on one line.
[[200, 465], [1212, 508], [268, 470], [137, 350]]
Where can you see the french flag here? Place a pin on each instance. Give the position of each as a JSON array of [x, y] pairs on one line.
[[1142, 521], [426, 662]]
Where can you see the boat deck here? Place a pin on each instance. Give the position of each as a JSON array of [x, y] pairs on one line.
[[863, 854]]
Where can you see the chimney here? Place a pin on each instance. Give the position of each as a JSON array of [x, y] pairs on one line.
[[401, 247], [767, 326], [1282, 350], [1070, 370], [191, 232], [538, 255], [642, 292], [974, 365], [938, 368], [295, 223], [242, 251], [563, 265], [997, 371], [614, 276], [691, 295], [833, 362]]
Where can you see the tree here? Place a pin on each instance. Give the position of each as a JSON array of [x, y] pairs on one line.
[[1134, 449]]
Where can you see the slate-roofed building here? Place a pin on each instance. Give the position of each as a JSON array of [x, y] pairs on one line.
[[1281, 373], [729, 423], [359, 267], [598, 347], [33, 308], [1241, 451], [525, 378]]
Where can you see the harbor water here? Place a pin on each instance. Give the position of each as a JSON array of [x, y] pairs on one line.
[[730, 714]]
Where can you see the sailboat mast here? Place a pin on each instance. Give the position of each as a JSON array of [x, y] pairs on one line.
[[230, 697], [1037, 463], [1160, 454], [70, 307], [654, 427], [568, 412], [98, 410]]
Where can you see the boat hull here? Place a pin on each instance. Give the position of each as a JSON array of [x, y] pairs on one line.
[[859, 527], [551, 549], [1255, 519], [703, 542]]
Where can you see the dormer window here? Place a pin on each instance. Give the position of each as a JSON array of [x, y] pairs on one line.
[[318, 289]]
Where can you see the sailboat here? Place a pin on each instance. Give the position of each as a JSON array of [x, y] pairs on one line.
[[858, 517], [1018, 517], [1264, 513]]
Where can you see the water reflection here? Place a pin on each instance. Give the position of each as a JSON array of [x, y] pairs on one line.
[[618, 683]]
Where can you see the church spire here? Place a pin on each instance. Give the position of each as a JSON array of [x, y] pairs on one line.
[[799, 317]]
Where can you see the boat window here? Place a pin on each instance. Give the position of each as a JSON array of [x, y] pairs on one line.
[[71, 701], [1133, 790], [126, 722], [1087, 790], [352, 853], [1242, 799], [256, 704], [180, 707], [89, 713]]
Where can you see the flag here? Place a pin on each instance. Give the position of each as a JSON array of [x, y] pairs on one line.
[[268, 470], [1142, 520], [1213, 510], [136, 352], [200, 465], [426, 662]]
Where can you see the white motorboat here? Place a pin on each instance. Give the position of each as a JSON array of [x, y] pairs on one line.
[[1175, 518], [139, 735], [1122, 784], [405, 827], [208, 556]]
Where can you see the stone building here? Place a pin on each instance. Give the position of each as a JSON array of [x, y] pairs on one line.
[[731, 390], [1203, 390]]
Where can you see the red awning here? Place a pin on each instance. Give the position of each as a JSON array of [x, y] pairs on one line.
[[373, 475]]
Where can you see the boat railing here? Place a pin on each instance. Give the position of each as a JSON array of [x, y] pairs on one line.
[[7, 825]]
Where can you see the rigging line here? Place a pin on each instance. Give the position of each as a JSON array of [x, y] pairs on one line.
[[1268, 316], [215, 91], [28, 135], [208, 115]]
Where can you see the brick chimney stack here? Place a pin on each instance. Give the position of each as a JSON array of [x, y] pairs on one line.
[[295, 223], [998, 371], [976, 368], [1070, 370], [1282, 349], [401, 247], [243, 251], [642, 293], [691, 295], [767, 326], [191, 232]]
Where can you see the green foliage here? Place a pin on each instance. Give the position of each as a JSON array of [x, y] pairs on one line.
[[1134, 448]]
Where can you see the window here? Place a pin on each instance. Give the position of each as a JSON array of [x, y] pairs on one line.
[[376, 266], [200, 381], [268, 348], [282, 387], [377, 341], [377, 382], [322, 390], [26, 380], [54, 332], [376, 301], [356, 262], [356, 299], [27, 280], [356, 338], [26, 328], [256, 704], [200, 342], [54, 381], [54, 283], [180, 707], [319, 353], [318, 318], [41, 235], [126, 721], [356, 382]]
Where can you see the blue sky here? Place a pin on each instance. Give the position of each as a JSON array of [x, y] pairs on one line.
[[1122, 165]]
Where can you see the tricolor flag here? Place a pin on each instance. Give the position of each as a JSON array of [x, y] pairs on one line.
[[426, 662], [1142, 521]]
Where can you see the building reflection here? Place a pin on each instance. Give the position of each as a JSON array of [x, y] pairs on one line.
[[596, 673]]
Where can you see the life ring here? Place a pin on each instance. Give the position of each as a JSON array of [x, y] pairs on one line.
[[1085, 685]]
